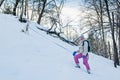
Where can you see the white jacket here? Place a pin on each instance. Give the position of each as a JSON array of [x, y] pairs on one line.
[[83, 48]]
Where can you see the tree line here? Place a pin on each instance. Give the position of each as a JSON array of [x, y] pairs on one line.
[[45, 12], [102, 17], [105, 24]]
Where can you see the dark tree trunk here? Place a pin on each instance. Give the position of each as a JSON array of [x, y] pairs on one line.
[[26, 7], [21, 15], [1, 2], [118, 22], [40, 15], [15, 6], [116, 61], [119, 31], [109, 50]]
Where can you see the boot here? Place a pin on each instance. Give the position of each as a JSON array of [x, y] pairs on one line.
[[77, 65], [88, 71]]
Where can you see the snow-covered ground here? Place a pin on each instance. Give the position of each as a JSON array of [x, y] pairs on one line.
[[38, 56]]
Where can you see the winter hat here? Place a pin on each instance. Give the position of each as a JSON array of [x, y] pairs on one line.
[[81, 37]]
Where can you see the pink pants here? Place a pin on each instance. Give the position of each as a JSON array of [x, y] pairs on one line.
[[85, 60]]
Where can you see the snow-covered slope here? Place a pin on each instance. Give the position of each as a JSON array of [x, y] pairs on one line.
[[37, 56]]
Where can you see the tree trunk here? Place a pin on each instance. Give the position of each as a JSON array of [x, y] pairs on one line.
[[15, 6], [109, 50], [33, 8], [101, 25], [116, 60], [98, 5], [40, 15], [1, 2], [119, 37], [21, 15], [26, 7], [118, 23]]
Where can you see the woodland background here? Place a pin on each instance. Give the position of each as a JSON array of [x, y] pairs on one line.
[[101, 22]]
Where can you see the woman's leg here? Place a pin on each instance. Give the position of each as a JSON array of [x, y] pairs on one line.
[[85, 62], [76, 57]]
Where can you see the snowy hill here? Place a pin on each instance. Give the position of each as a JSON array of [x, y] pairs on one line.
[[38, 56]]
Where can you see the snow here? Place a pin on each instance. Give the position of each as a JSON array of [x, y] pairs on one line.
[[37, 56]]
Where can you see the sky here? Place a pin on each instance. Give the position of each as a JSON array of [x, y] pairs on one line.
[[71, 9], [34, 55], [74, 12]]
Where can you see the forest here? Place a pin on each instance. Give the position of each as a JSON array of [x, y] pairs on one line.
[[102, 20]]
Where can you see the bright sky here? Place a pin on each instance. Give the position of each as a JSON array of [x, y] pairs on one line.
[[71, 9], [73, 12], [70, 13]]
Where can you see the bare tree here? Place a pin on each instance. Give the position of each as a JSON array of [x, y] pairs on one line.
[[26, 9], [112, 8], [22, 12], [118, 24], [42, 11], [109, 50], [116, 60], [33, 10], [15, 6], [55, 16], [101, 25], [97, 23], [1, 2]]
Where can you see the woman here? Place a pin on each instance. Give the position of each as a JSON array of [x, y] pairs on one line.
[[82, 53]]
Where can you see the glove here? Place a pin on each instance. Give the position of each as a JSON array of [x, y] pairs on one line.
[[74, 53]]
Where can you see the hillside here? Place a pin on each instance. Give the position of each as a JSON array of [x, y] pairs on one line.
[[38, 56]]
